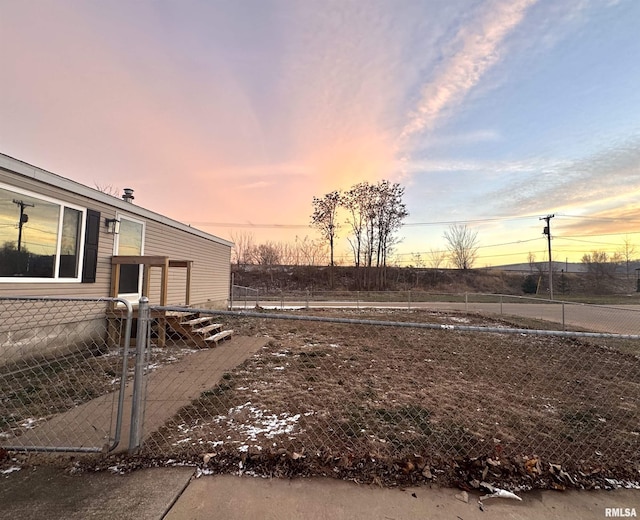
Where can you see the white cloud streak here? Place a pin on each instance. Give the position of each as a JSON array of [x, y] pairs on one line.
[[478, 48], [605, 179]]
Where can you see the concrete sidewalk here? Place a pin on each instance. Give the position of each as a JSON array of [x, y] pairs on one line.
[[175, 494], [169, 388]]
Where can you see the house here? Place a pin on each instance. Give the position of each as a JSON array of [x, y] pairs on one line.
[[59, 238]]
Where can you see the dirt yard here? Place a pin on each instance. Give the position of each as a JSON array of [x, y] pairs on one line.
[[398, 405]]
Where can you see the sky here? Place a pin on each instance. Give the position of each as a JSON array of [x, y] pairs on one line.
[[232, 115]]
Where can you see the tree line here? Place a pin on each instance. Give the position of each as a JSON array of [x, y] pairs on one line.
[[373, 214]]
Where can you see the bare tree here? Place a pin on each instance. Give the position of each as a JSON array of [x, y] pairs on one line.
[[390, 211], [601, 268], [108, 189], [532, 261], [324, 218], [626, 252], [416, 260], [462, 244], [375, 213], [312, 252], [242, 252], [436, 258], [355, 201], [267, 254], [287, 252]]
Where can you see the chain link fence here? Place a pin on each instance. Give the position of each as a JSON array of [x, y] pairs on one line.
[[378, 395], [618, 319], [243, 297], [387, 395], [63, 367]]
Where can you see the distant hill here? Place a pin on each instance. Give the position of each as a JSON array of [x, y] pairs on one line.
[[567, 267], [508, 279]]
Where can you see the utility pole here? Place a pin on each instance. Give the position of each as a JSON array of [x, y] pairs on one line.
[[547, 231], [24, 218]]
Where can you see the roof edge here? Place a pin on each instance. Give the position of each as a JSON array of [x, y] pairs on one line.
[[28, 170]]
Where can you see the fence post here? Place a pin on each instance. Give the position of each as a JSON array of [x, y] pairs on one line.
[[409, 305], [466, 303], [231, 297], [501, 304], [563, 326], [137, 400], [307, 298]]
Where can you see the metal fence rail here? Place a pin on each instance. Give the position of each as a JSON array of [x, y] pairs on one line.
[[63, 369], [616, 319], [243, 297]]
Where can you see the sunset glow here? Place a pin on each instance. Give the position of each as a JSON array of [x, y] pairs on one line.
[[232, 116]]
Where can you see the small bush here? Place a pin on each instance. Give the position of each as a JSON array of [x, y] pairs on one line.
[[530, 285]]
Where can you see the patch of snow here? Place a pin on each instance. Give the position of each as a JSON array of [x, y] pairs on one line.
[[259, 422], [10, 470], [283, 307], [204, 471], [627, 484], [31, 423]]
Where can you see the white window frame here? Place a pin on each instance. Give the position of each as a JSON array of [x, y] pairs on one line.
[[83, 225], [131, 297]]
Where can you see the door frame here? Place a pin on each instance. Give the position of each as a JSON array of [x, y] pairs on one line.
[[131, 297]]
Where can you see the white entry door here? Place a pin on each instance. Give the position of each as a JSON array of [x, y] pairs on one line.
[[130, 242]]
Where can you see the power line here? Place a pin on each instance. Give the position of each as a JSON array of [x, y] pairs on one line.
[[587, 241], [404, 224]]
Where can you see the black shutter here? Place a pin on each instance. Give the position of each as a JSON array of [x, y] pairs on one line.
[[91, 237]]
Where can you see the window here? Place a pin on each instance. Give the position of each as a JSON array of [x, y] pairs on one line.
[[40, 238], [130, 242]]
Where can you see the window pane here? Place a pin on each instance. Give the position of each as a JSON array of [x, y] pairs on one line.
[[28, 235], [129, 279], [130, 238], [129, 244], [70, 243]]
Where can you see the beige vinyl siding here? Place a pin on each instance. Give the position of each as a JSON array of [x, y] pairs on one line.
[[210, 271], [211, 256]]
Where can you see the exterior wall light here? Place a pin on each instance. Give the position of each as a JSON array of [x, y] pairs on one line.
[[113, 226]]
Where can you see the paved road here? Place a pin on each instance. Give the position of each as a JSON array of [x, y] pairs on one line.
[[616, 319]]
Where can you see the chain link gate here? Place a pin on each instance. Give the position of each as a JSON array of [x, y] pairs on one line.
[[63, 373]]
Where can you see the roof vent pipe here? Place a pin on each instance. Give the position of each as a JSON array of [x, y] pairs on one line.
[[128, 195]]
